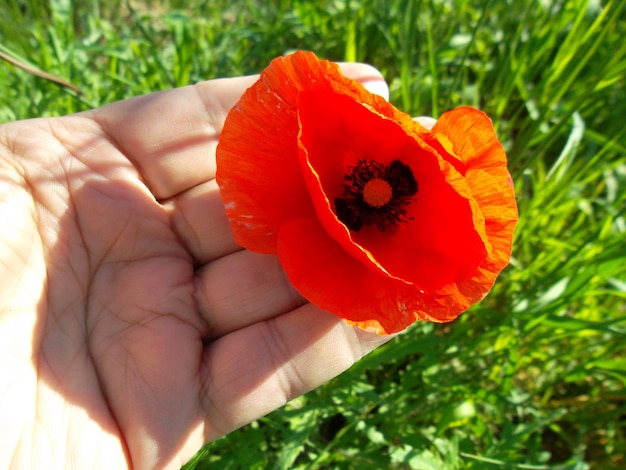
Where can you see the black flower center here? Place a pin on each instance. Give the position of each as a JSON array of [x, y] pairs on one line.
[[376, 194]]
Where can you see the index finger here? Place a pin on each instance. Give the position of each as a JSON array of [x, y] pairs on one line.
[[171, 136]]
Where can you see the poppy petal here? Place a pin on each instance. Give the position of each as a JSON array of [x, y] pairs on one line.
[[328, 277], [469, 138], [440, 244], [321, 270], [257, 165], [475, 144]]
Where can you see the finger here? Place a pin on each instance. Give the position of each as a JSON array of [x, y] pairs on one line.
[[255, 370], [426, 121], [171, 136], [199, 219], [242, 289], [368, 76]]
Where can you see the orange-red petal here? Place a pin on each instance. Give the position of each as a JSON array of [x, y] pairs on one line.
[[469, 137], [327, 276], [257, 165], [440, 245]]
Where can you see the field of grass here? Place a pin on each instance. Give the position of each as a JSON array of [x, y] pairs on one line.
[[531, 378]]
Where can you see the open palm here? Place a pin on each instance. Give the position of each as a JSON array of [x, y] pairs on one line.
[[132, 328]]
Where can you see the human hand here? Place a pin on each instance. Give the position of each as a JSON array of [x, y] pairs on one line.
[[132, 328]]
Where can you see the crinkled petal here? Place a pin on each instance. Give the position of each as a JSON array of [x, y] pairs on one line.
[[328, 277], [440, 244], [470, 139], [257, 164]]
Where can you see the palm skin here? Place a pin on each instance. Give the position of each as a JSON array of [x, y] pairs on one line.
[[132, 328]]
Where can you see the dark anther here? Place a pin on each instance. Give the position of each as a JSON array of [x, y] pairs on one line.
[[376, 194]]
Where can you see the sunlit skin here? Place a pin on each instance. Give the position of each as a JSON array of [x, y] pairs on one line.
[[132, 328]]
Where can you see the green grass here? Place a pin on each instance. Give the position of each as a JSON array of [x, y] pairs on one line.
[[531, 378]]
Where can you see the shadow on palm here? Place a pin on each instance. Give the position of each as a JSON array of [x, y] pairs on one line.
[[138, 329], [154, 326]]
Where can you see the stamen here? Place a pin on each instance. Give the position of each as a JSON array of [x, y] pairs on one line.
[[376, 194]]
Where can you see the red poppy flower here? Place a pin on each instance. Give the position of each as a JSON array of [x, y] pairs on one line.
[[373, 217]]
